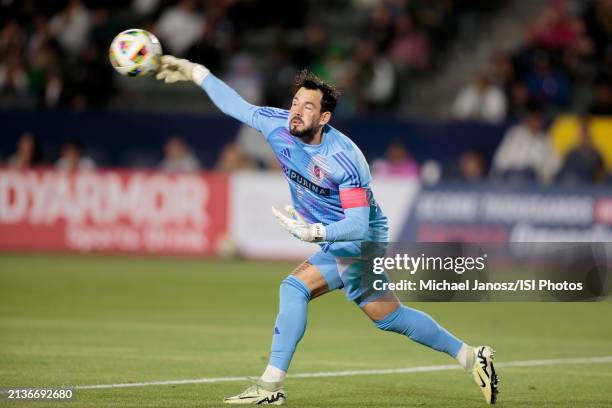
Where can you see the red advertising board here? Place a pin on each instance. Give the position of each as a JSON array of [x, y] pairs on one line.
[[108, 210]]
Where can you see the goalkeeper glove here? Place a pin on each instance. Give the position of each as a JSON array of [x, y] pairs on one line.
[[298, 227], [174, 69]]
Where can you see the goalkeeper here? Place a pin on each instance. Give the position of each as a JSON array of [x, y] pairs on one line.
[[332, 205]]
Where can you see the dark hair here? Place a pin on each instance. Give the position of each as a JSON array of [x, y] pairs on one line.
[[38, 155], [308, 80]]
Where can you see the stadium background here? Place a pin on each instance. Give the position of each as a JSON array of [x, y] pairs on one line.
[[482, 121]]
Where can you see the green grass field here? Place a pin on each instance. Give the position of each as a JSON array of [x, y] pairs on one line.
[[85, 320]]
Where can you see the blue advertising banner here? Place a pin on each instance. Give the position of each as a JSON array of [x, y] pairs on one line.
[[452, 212]]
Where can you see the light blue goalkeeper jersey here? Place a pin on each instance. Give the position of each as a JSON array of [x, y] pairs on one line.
[[329, 182]]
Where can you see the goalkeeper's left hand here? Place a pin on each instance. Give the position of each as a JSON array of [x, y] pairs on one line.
[[174, 69], [298, 227]]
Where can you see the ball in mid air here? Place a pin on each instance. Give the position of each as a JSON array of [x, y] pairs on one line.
[[135, 52]]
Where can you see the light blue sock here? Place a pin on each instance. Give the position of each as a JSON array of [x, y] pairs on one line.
[[290, 322], [421, 328]]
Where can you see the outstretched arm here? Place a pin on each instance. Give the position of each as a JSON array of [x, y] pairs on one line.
[[225, 98], [228, 100]]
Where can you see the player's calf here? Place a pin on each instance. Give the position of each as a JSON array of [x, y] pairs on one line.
[[419, 327]]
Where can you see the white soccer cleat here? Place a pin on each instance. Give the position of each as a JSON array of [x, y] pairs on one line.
[[256, 394], [484, 374]]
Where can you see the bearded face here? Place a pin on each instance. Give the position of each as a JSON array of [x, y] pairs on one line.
[[306, 117]]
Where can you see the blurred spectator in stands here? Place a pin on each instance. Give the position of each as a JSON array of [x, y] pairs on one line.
[[431, 172], [40, 37], [481, 101], [312, 52], [598, 17], [13, 71], [233, 158], [502, 71], [72, 157], [244, 78], [554, 29], [584, 163], [279, 78], [577, 55], [519, 100], [380, 28], [178, 157], [145, 8], [526, 153], [435, 18], [397, 162], [335, 66], [91, 81], [472, 166], [12, 37], [205, 51], [469, 168], [410, 47], [375, 77], [180, 26], [71, 27], [45, 80], [29, 153], [13, 75], [104, 28], [602, 103], [546, 83], [54, 87]]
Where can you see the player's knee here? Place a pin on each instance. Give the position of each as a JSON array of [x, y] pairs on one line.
[[292, 287]]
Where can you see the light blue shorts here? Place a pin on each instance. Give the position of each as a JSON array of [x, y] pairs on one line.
[[344, 267]]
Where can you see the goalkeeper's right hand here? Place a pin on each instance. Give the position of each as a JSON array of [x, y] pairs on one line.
[[174, 69]]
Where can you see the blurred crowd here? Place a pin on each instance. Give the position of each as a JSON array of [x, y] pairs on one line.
[[564, 64], [524, 157], [54, 53]]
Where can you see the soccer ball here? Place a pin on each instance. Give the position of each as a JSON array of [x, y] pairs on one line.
[[135, 52]]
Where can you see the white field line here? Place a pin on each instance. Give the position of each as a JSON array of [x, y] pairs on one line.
[[422, 369]]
